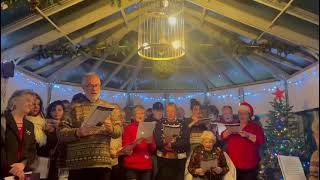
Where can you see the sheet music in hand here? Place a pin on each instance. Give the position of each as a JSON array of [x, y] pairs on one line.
[[171, 131], [208, 164], [43, 167], [99, 115], [291, 168], [234, 128], [124, 150], [145, 130]]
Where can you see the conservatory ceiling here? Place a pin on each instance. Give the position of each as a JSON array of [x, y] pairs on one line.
[[212, 29]]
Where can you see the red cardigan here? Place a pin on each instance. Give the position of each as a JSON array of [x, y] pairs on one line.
[[141, 156], [243, 152]]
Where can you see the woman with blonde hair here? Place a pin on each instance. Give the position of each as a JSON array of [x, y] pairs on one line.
[[36, 116], [208, 151], [18, 144]]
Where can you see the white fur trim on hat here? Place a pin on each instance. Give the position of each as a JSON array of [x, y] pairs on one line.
[[244, 108]]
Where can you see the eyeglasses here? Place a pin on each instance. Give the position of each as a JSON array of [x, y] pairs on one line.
[[91, 86]]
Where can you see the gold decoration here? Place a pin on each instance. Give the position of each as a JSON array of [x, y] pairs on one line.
[[161, 30]]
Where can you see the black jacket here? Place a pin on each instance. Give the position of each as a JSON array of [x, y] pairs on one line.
[[181, 144], [10, 143]]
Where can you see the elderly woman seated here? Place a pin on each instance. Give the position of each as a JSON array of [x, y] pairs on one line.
[[207, 160]]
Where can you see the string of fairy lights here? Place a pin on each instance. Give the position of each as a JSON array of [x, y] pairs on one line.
[[69, 91]]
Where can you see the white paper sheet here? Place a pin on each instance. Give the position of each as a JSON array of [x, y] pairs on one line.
[[43, 167], [171, 131], [99, 114], [291, 168], [207, 165], [145, 130]]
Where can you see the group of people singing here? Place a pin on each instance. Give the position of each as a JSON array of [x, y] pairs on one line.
[[79, 152]]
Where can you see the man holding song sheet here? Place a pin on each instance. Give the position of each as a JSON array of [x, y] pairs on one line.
[[87, 134], [172, 139]]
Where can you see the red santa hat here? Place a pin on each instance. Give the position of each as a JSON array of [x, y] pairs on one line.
[[247, 108]]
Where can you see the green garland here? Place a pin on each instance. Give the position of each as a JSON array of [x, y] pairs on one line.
[[231, 44], [10, 4], [67, 50]]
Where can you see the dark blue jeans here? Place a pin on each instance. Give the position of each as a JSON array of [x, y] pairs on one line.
[[136, 174]]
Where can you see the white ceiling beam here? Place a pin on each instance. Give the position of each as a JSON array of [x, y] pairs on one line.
[[100, 11], [71, 64], [201, 73], [275, 19], [132, 25], [306, 57], [194, 18], [119, 67], [135, 74], [55, 8], [235, 62], [279, 60], [216, 70], [50, 66], [203, 15], [126, 83], [29, 73], [274, 70], [293, 10], [240, 12], [124, 16]]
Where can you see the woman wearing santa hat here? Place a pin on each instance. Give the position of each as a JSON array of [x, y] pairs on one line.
[[243, 146]]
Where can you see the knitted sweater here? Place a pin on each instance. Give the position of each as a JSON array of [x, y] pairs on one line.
[[39, 124], [91, 151]]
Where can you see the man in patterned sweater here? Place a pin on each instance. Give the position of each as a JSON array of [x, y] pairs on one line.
[[88, 148]]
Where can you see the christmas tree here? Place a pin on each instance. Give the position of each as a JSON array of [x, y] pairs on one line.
[[282, 138]]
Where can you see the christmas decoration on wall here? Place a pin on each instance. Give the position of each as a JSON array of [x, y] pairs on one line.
[[282, 138]]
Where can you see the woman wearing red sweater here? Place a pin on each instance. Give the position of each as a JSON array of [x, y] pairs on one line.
[[243, 147], [139, 164]]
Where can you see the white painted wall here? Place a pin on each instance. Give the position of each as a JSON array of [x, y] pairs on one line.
[[22, 81], [303, 93]]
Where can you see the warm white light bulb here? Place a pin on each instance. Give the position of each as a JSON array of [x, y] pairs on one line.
[[176, 44], [146, 45], [165, 3], [172, 20]]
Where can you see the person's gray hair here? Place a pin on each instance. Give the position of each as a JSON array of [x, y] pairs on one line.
[[85, 77], [16, 95], [136, 107]]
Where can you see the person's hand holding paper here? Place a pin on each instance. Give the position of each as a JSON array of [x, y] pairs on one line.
[[99, 115], [145, 130]]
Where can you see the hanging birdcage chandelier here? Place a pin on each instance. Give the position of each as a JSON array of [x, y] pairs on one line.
[[161, 30]]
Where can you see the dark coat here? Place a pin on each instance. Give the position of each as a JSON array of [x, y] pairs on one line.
[[10, 143], [199, 154]]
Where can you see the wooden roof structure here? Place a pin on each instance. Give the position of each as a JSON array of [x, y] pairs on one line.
[[206, 66]]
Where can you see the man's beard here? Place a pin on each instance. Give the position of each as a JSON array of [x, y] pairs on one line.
[[93, 98]]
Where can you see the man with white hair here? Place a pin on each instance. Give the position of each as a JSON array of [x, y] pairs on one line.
[[88, 149]]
